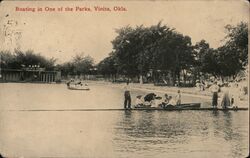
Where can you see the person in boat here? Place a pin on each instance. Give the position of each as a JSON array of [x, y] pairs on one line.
[[156, 102], [68, 83], [171, 102], [165, 101], [149, 97], [178, 98], [127, 97], [214, 89], [139, 101], [78, 83]]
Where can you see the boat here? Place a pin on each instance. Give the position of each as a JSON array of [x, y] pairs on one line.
[[186, 108], [169, 107], [78, 87]]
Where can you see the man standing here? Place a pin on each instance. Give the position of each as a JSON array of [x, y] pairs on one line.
[[127, 97], [214, 89]]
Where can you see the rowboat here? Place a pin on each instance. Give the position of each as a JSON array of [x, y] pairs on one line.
[[190, 106], [181, 106], [78, 87], [180, 109]]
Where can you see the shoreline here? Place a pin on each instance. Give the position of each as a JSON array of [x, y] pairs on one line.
[[186, 91]]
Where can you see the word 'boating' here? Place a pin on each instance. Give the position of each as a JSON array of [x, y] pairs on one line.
[[26, 9]]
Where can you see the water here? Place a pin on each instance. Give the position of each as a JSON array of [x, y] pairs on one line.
[[111, 134]]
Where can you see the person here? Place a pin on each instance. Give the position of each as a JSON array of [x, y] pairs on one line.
[[197, 85], [171, 102], [214, 89], [138, 101], [202, 86], [127, 97], [234, 92], [149, 97], [225, 103], [68, 83], [166, 101], [156, 102], [178, 98]]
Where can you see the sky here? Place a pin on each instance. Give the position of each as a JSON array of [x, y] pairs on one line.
[[62, 34]]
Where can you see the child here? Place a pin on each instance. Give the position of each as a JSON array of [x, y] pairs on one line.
[[178, 98]]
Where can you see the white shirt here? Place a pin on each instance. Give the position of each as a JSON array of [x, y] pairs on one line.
[[126, 87], [178, 96], [172, 102], [138, 101]]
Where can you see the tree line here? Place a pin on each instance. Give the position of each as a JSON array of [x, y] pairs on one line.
[[136, 51], [159, 49]]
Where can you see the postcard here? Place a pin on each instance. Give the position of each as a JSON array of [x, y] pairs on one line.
[[127, 78]]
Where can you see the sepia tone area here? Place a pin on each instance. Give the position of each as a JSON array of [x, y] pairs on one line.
[[118, 79]]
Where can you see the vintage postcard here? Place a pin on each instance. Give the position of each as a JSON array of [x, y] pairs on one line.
[[124, 79]]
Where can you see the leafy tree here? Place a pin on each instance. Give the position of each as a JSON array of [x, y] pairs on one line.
[[157, 47], [20, 59], [200, 50], [108, 66], [229, 59], [80, 64], [209, 61], [237, 41]]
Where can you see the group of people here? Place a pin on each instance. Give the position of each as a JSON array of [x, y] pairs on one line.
[[151, 100], [200, 86], [75, 83], [229, 98]]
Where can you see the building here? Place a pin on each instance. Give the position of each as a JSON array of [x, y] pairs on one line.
[[30, 74]]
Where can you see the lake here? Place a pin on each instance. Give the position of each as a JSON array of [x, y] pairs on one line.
[[111, 134]]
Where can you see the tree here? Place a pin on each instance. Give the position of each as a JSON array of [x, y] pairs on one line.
[[238, 35], [80, 64], [157, 47], [237, 41], [20, 59], [200, 50], [230, 58], [209, 62]]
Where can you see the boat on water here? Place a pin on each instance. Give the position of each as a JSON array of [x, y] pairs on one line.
[[181, 106], [77, 86], [190, 106]]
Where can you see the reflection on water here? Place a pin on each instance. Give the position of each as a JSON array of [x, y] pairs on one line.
[[157, 134], [112, 134]]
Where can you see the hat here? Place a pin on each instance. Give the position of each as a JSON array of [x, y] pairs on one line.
[[158, 97]]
